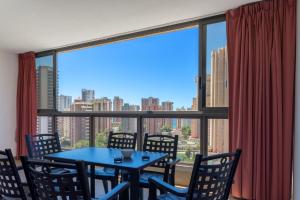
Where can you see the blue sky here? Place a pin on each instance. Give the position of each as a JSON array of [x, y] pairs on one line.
[[163, 66]]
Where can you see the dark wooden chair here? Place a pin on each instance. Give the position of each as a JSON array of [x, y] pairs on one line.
[[118, 141], [44, 184], [10, 182], [211, 178], [42, 144], [163, 144]]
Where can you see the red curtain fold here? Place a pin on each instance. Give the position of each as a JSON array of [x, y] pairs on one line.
[[261, 54], [26, 100]]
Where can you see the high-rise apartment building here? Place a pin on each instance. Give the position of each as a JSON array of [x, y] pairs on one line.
[[64, 103], [117, 106], [129, 124], [183, 122], [44, 78], [218, 128], [151, 125], [195, 123], [167, 106], [102, 123], [64, 123], [87, 95], [80, 126]]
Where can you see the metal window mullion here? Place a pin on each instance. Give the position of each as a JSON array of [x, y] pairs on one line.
[[204, 136], [139, 132], [202, 67], [54, 81], [92, 136]]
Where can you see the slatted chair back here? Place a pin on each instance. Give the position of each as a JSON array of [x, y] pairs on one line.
[[212, 176], [42, 144], [10, 182], [163, 144], [45, 184], [122, 140]]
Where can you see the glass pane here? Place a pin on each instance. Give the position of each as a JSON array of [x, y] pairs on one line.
[[45, 82], [188, 131], [74, 132], [105, 124], [218, 136], [155, 72], [44, 125], [216, 66]]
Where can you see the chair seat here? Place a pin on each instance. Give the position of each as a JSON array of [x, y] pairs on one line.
[[144, 176], [169, 196]]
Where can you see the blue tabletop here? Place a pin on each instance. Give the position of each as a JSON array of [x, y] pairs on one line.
[[105, 157]]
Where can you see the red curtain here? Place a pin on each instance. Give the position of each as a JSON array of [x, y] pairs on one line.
[[261, 54], [26, 100]]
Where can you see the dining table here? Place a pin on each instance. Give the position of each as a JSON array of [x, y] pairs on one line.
[[112, 158]]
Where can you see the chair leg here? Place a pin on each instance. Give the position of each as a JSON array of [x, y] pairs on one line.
[[105, 186], [141, 194], [114, 183]]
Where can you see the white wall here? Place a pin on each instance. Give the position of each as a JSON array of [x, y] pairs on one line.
[[297, 116], [8, 93]]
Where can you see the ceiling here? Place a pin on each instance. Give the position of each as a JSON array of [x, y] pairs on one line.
[[36, 25]]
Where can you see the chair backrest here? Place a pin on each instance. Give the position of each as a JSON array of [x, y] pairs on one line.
[[70, 183], [10, 182], [122, 140], [42, 144], [212, 176], [163, 144]]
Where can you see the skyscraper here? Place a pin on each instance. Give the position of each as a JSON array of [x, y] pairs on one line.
[[129, 124], [64, 103], [167, 106], [195, 123], [151, 125], [80, 126], [44, 78], [182, 122], [117, 106], [218, 128], [87, 95], [102, 123], [64, 123]]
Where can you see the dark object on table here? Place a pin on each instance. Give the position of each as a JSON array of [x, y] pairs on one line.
[[10, 182], [211, 179], [44, 184], [118, 160], [145, 157]]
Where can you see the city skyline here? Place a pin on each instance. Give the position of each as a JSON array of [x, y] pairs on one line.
[[163, 66]]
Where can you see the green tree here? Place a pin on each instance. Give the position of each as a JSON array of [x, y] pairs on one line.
[[101, 139], [186, 132], [81, 143], [165, 128]]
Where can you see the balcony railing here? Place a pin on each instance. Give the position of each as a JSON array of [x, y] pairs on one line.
[[203, 117]]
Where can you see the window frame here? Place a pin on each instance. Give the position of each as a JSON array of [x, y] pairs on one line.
[[203, 113]]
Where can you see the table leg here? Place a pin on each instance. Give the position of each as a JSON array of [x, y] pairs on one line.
[[134, 185], [92, 178]]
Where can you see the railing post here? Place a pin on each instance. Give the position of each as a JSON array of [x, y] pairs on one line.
[[92, 131], [204, 136], [139, 133]]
